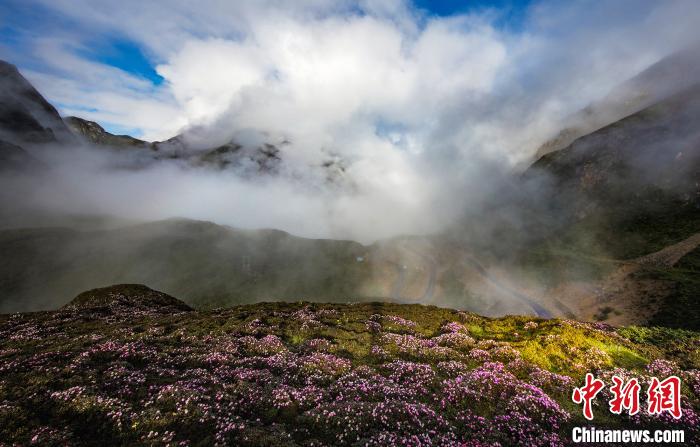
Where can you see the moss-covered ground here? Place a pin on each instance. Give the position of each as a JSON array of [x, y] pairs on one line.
[[317, 374]]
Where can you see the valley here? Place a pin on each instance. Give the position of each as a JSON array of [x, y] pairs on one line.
[[599, 240], [406, 223]]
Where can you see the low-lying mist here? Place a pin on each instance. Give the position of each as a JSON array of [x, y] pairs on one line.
[[88, 180]]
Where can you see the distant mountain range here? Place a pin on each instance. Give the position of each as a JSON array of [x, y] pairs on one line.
[[263, 158], [571, 236], [26, 118]]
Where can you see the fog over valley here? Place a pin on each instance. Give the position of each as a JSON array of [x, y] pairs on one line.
[[456, 160]]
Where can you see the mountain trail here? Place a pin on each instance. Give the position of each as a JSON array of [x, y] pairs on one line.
[[669, 256]]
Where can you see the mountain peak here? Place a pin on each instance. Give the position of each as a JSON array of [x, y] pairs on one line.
[[25, 115], [96, 134]]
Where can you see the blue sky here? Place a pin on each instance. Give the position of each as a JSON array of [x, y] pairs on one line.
[[23, 21], [512, 12], [126, 55]]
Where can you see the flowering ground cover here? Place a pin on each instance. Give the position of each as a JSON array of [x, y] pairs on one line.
[[130, 366]]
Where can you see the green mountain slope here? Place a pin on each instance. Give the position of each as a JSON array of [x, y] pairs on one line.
[[632, 187], [625, 191], [206, 264]]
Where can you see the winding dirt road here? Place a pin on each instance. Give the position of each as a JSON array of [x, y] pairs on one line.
[[534, 305], [404, 275]]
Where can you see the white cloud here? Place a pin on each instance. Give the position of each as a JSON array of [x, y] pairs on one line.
[[415, 104]]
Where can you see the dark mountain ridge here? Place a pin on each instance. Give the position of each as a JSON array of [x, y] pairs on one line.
[[96, 134], [25, 116], [210, 265], [663, 79]]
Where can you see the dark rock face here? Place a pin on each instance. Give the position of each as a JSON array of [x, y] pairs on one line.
[[128, 297], [263, 159], [25, 116]]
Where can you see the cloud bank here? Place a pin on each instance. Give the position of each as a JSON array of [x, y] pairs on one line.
[[426, 113]]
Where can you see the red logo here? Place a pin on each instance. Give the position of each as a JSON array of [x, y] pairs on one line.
[[587, 393], [661, 396], [665, 396], [626, 396]]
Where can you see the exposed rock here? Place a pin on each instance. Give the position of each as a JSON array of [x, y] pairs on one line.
[[95, 134]]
